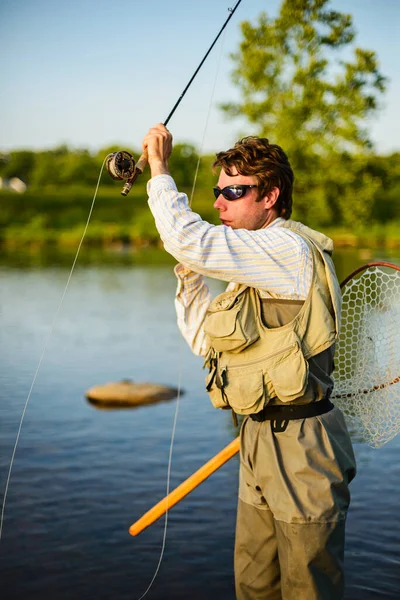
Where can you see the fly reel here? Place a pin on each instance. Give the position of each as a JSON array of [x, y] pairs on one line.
[[121, 166]]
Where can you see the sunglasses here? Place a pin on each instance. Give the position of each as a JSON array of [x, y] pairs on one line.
[[233, 192]]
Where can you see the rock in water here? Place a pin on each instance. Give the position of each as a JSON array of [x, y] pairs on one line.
[[126, 394]]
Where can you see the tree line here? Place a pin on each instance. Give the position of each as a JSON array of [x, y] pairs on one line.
[[305, 84], [63, 166], [346, 189]]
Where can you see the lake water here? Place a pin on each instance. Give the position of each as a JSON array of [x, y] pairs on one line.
[[82, 476]]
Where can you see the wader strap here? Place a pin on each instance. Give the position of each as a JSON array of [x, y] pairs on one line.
[[281, 415], [279, 426], [234, 419]]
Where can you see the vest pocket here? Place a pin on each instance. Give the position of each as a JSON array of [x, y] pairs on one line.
[[230, 324], [287, 370], [215, 385], [244, 388], [248, 387]]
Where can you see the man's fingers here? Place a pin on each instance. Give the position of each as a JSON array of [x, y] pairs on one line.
[[158, 135], [157, 143], [161, 130]]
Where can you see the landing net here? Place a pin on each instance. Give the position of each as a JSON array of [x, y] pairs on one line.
[[367, 374]]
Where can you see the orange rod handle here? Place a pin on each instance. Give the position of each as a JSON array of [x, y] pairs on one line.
[[185, 488]]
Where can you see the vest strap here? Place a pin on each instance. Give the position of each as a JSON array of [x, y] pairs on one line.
[[292, 411]]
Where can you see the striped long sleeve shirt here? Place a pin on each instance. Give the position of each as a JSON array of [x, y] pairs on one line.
[[275, 260]]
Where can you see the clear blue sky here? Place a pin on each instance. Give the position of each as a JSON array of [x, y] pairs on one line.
[[90, 73]]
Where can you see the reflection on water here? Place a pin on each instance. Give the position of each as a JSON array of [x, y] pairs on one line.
[[83, 476]]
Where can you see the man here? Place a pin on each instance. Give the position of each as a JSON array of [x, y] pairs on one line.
[[268, 342]]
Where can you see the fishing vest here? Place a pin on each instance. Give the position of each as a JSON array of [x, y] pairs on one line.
[[274, 351]]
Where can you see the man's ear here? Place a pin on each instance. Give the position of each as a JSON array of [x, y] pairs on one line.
[[271, 198]]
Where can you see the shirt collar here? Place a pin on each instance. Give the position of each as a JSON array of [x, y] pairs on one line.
[[276, 222]]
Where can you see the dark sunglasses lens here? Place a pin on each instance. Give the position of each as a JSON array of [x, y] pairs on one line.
[[233, 192]]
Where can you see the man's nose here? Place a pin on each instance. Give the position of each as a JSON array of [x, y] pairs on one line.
[[220, 203]]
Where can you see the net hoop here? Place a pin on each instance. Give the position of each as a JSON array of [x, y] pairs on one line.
[[367, 266], [368, 352]]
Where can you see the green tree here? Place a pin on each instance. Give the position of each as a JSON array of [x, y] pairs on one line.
[[79, 167], [18, 163], [300, 92], [47, 167], [182, 164], [386, 206]]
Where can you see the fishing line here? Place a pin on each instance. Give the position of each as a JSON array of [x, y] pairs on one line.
[[207, 119], [231, 11], [44, 350], [181, 342], [168, 470], [121, 165]]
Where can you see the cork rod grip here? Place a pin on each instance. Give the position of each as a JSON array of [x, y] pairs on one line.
[[142, 162]]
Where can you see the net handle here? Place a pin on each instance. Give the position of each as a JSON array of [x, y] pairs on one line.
[[367, 266]]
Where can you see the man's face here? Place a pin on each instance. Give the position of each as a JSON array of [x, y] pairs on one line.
[[246, 212]]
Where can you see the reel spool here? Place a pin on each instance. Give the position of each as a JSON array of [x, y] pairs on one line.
[[121, 166]]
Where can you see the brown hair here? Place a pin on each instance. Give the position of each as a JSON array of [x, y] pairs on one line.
[[267, 162]]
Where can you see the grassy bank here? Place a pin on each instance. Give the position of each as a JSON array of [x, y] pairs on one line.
[[56, 218], [377, 235]]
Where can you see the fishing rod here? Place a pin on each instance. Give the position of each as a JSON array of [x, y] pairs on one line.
[[121, 164]]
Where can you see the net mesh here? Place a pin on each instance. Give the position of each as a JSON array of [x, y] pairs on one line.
[[367, 374]]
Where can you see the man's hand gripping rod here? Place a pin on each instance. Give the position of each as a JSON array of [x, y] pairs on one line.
[[121, 165]]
